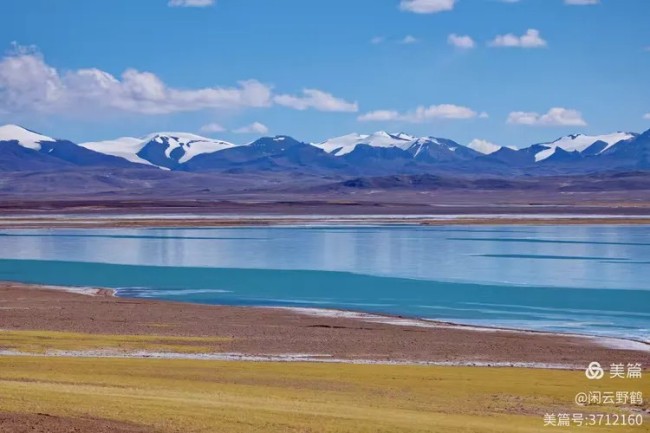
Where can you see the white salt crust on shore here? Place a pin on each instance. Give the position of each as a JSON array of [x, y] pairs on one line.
[[606, 342], [283, 357], [86, 291]]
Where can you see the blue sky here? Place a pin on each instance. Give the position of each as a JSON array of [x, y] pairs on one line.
[[509, 72]]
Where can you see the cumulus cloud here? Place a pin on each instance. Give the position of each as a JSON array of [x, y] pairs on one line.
[[646, 116], [461, 41], [212, 128], [531, 39], [483, 146], [420, 114], [379, 116], [190, 3], [253, 128], [316, 99], [427, 6], [557, 116], [581, 2], [377, 40], [29, 84]]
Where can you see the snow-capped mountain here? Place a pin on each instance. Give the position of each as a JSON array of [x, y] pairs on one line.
[[187, 146], [432, 149], [630, 154], [164, 150], [24, 137], [375, 154], [383, 152], [20, 151], [25, 147], [580, 142], [345, 144], [386, 146], [269, 154]]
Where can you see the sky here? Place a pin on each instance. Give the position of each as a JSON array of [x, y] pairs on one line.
[[510, 72]]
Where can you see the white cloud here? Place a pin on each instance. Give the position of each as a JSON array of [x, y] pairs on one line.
[[531, 39], [444, 111], [427, 6], [581, 2], [554, 117], [190, 3], [483, 146], [408, 39], [29, 85], [379, 116], [420, 114], [316, 99], [646, 116], [461, 41], [253, 128], [212, 127]]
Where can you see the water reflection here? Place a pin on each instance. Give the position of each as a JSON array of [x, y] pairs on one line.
[[612, 257]]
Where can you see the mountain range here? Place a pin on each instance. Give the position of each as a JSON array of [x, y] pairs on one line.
[[345, 157]]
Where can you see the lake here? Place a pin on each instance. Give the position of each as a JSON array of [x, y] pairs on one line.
[[580, 279]]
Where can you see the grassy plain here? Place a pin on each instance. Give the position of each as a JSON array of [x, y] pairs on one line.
[[173, 396]]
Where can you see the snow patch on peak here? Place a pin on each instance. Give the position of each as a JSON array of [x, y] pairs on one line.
[[423, 143], [404, 136], [24, 137], [580, 142], [180, 136], [383, 138], [345, 144], [342, 145], [125, 147], [191, 144], [129, 147]]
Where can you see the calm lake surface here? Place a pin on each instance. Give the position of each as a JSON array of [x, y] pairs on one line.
[[583, 279]]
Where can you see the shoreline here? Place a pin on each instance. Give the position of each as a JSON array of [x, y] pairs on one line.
[[389, 319], [611, 342], [275, 334], [226, 221], [87, 291]]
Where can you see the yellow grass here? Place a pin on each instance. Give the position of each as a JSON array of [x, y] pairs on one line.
[[232, 397], [39, 342]]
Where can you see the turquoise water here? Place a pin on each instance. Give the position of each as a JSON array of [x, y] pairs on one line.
[[585, 279]]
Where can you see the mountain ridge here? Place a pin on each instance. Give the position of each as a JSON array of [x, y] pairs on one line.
[[380, 153]]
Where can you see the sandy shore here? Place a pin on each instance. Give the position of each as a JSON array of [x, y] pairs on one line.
[[274, 333]]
